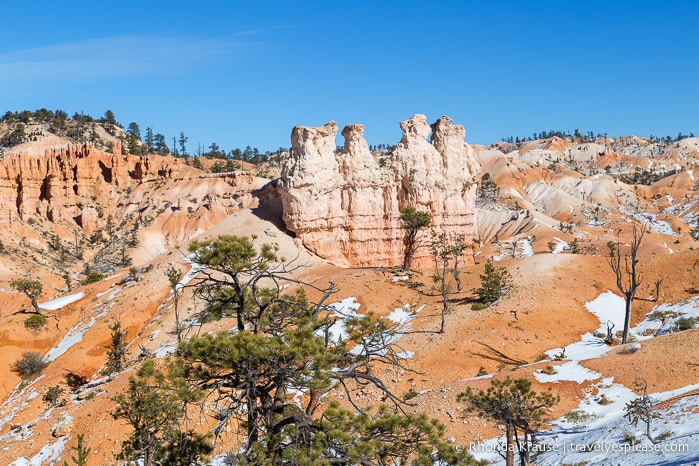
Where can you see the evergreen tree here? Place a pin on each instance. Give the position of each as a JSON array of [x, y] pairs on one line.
[[31, 288], [518, 407], [109, 118], [153, 405], [159, 144], [182, 142], [282, 344], [116, 350], [413, 221], [150, 139], [174, 276], [81, 450], [494, 283], [133, 133]]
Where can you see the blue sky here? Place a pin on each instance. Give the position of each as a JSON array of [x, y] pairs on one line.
[[245, 72]]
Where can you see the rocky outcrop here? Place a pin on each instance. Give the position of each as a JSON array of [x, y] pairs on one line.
[[345, 206], [62, 184]]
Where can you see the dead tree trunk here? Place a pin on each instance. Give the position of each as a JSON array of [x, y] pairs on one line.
[[628, 278]]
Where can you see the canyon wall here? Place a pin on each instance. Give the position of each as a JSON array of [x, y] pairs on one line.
[[63, 184], [345, 206]]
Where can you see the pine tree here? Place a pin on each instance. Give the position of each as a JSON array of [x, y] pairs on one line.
[[153, 405], [495, 283], [283, 344], [81, 450], [116, 350], [31, 288], [516, 405], [413, 221]]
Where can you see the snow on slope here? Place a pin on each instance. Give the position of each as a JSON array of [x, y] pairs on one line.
[[599, 437], [63, 301]]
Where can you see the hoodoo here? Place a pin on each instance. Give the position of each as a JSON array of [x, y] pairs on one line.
[[345, 206]]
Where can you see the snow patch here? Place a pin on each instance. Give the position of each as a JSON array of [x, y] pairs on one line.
[[58, 303], [49, 454], [560, 246]]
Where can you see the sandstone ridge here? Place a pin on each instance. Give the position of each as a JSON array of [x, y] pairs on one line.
[[62, 183], [345, 206]]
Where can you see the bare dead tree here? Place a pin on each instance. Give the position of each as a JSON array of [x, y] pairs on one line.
[[657, 288], [610, 333], [625, 267], [446, 251]]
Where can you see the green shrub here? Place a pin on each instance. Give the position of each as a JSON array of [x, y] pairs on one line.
[[630, 439], [29, 365], [579, 417], [52, 397], [686, 323], [479, 306], [410, 394], [35, 322], [92, 277]]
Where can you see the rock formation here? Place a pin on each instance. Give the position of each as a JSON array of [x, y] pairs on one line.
[[345, 207], [62, 183]]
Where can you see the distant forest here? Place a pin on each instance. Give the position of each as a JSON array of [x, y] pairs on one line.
[[588, 136], [83, 128]]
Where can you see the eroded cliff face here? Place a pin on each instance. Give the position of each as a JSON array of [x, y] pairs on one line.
[[64, 184], [345, 207]]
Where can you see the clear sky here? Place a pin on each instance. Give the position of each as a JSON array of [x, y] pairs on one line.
[[245, 72]]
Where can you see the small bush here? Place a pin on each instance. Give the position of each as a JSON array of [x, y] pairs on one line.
[[29, 365], [630, 439], [35, 322], [664, 436], [550, 370], [410, 394], [603, 400], [579, 417], [481, 372], [560, 356], [478, 306], [92, 277], [686, 323], [660, 315], [629, 339], [52, 397], [632, 348]]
